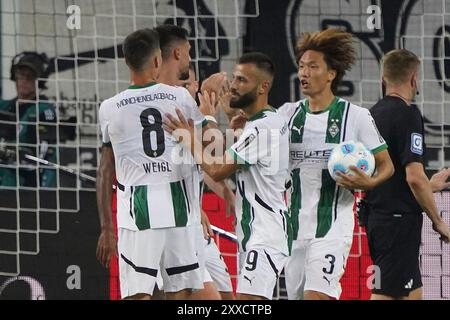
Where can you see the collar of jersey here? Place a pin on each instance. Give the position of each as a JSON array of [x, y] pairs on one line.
[[333, 104], [260, 113], [135, 86]]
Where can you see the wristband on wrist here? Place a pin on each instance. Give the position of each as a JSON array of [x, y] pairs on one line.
[[211, 118]]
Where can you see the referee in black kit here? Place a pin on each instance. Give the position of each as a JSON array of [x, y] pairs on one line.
[[394, 220]]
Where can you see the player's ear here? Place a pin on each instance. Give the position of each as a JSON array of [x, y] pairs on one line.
[[264, 87], [331, 75], [176, 53], [414, 79]]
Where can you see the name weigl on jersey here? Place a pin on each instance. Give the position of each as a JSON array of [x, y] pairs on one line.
[[155, 167]]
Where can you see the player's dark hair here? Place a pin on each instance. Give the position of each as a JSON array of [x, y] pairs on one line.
[[170, 36], [139, 46], [262, 61], [336, 46]]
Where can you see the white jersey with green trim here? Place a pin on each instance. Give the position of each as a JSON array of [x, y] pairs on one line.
[[152, 168], [261, 210], [318, 207]]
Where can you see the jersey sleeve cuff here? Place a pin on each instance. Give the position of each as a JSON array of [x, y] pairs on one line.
[[380, 148], [239, 160], [107, 144]]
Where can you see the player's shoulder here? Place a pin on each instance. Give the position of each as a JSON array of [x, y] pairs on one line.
[[354, 109], [268, 119], [289, 108], [352, 106]]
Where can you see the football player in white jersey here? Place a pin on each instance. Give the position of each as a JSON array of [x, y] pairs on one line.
[[259, 158], [157, 197], [321, 210], [174, 70], [215, 265]]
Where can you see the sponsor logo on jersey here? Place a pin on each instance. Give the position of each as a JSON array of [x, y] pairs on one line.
[[316, 156], [246, 142], [416, 143]]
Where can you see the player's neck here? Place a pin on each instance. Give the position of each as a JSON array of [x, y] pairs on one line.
[[142, 78], [321, 101], [168, 75], [258, 106], [400, 92]]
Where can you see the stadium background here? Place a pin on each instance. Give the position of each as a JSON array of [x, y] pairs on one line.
[[48, 236]]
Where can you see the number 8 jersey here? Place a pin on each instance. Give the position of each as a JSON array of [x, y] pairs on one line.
[[155, 174]]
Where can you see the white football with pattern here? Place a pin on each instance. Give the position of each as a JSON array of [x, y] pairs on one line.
[[351, 153]]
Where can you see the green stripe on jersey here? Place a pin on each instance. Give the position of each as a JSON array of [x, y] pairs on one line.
[[298, 126], [141, 214], [289, 231], [335, 125], [245, 222], [296, 201], [179, 204], [380, 148], [325, 206]]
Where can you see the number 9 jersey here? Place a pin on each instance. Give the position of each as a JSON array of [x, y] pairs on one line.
[[154, 172]]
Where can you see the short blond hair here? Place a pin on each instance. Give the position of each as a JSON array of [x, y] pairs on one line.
[[398, 65]]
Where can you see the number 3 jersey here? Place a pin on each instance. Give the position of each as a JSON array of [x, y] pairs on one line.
[[318, 207], [155, 174]]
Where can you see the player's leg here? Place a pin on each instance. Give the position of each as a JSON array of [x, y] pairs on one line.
[[209, 292], [258, 274], [325, 264], [138, 271], [218, 270], [416, 294], [180, 268], [394, 243], [294, 271]]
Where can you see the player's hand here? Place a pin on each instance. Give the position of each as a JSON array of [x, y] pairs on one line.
[[358, 180], [208, 104], [207, 230], [238, 121], [224, 101], [438, 181], [442, 228], [106, 247], [230, 206], [179, 127]]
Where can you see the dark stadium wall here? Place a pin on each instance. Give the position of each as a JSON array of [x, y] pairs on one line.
[[279, 22], [66, 266]]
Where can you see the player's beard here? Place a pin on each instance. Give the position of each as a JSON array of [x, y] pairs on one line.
[[184, 74], [243, 100]]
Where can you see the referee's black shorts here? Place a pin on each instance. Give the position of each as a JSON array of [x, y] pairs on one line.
[[394, 242]]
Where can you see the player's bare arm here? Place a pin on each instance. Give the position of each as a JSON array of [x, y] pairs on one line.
[[217, 167], [421, 188], [107, 242]]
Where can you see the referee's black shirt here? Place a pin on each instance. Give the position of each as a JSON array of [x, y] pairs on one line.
[[402, 128]]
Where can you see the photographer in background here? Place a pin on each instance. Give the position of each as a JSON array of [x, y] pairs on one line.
[[28, 125]]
